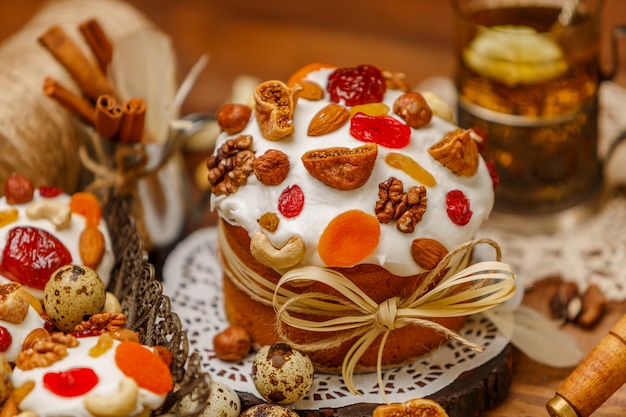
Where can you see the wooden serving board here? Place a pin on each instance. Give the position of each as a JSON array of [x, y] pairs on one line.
[[473, 392]]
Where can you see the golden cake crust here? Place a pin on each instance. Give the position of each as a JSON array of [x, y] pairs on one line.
[[403, 345]]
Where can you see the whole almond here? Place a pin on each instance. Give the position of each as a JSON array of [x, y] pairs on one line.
[[91, 246], [427, 252], [310, 90], [328, 119]]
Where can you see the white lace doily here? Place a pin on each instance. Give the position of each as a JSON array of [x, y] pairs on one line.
[[193, 281], [593, 251]]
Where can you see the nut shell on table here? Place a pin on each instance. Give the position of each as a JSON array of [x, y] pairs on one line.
[[282, 375], [73, 293]]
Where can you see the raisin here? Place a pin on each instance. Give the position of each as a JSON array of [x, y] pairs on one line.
[[458, 207], [291, 201], [359, 85], [384, 130]]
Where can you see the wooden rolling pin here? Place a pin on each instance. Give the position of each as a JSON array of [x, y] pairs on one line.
[[595, 379]]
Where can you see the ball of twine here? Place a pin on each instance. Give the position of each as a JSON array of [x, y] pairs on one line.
[[38, 138]]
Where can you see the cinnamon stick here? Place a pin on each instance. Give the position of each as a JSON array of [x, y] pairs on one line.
[[75, 103], [108, 116], [98, 42], [133, 120], [90, 79]]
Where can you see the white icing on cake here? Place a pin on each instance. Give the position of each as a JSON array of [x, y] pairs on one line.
[[45, 403], [19, 331], [322, 203], [69, 236]]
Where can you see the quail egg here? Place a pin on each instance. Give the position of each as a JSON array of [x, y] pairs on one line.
[[268, 410], [281, 374], [72, 294], [223, 402]]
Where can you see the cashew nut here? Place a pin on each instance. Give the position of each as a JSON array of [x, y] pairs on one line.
[[58, 213], [287, 256], [118, 405], [111, 304]]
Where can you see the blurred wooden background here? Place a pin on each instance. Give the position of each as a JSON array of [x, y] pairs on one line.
[[271, 39]]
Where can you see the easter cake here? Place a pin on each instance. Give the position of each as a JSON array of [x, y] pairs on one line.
[[336, 185], [77, 343]]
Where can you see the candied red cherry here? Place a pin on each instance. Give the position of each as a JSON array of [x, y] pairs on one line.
[[71, 383], [383, 130], [31, 255], [360, 85], [5, 339]]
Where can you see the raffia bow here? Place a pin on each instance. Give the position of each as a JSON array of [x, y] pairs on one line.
[[457, 291]]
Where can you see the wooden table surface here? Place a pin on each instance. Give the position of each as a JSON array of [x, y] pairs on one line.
[[271, 41]]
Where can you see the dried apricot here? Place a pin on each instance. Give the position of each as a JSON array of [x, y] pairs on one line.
[[87, 205], [301, 73], [349, 238], [147, 369]]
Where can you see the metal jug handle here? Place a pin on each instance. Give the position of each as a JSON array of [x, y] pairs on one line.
[[617, 34]]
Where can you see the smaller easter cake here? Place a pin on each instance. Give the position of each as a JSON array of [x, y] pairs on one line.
[[43, 229], [64, 375]]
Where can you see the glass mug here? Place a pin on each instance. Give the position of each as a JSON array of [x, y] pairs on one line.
[[528, 74]]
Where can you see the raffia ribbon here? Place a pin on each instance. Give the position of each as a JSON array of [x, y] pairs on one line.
[[461, 291]]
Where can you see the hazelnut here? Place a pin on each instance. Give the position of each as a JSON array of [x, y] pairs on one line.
[[18, 189], [233, 118], [232, 344], [414, 109]]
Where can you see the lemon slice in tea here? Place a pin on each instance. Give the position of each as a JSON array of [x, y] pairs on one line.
[[515, 55]]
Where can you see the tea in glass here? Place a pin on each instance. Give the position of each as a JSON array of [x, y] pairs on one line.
[[529, 85]]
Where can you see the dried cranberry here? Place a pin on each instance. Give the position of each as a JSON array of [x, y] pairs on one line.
[[384, 130], [360, 85], [483, 141], [493, 171], [49, 191], [71, 383], [5, 339], [291, 201], [31, 255], [458, 207], [87, 333]]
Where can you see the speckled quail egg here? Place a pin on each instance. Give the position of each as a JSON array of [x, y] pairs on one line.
[[72, 294], [223, 402], [282, 375], [268, 410]]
